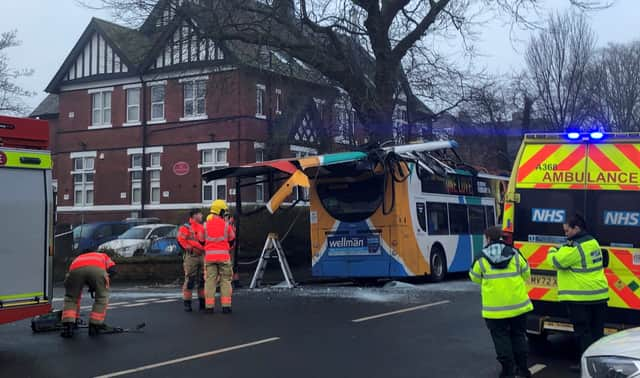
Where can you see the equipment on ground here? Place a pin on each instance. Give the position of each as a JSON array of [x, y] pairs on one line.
[[272, 250], [593, 174], [26, 219], [52, 321]]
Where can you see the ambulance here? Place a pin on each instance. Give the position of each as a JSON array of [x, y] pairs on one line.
[[26, 219], [594, 174]]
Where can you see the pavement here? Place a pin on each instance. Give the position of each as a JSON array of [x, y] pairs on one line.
[[317, 330]]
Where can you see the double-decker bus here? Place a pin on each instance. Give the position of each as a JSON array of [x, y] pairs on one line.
[[402, 211]]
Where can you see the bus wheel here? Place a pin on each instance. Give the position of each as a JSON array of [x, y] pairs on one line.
[[438, 264]]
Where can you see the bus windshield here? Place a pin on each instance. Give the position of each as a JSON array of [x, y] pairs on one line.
[[351, 201]]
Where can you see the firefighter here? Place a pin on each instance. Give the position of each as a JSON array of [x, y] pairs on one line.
[[502, 273], [94, 270], [218, 235], [191, 239], [582, 284]]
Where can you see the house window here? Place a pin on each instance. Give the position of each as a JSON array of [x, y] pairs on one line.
[[83, 172], [157, 102], [195, 92], [344, 124], [213, 158], [260, 97], [136, 178], [260, 186], [133, 105], [320, 107], [101, 108], [278, 101], [154, 170]]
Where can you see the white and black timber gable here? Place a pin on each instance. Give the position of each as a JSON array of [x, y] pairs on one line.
[[183, 44], [104, 51]]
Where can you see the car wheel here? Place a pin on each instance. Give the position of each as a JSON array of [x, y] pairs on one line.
[[138, 252], [438, 264]]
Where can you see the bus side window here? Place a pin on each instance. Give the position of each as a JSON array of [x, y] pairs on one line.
[[491, 216], [458, 220], [420, 211], [438, 219], [477, 221]]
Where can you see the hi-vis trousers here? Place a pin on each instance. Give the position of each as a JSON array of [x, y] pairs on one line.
[[193, 275], [213, 271], [98, 281]]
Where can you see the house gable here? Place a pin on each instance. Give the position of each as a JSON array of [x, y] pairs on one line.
[[97, 57], [183, 44]]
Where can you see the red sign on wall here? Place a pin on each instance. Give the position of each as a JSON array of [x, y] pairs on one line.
[[181, 168], [3, 158]]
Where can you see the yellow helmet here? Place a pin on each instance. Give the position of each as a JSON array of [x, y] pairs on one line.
[[218, 206]]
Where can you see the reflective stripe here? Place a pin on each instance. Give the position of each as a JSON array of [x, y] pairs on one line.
[[505, 308], [69, 314], [583, 292], [218, 252], [97, 315], [225, 300], [587, 270], [501, 275], [583, 258], [482, 268], [475, 274], [556, 263]]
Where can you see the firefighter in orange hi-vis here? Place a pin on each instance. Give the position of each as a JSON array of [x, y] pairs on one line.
[[219, 233], [191, 239], [93, 270]]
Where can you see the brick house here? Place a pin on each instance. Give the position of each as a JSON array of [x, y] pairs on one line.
[[138, 114]]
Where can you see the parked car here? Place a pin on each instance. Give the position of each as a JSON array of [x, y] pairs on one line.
[[136, 240], [614, 356], [87, 237], [167, 246]]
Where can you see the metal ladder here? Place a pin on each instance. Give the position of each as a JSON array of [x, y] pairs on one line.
[[272, 250]]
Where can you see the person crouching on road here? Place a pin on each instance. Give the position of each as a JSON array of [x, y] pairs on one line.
[[94, 270], [502, 273], [582, 284], [217, 259], [191, 239]]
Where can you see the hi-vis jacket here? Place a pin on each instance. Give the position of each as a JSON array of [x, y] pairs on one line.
[[580, 270], [190, 236], [502, 273], [218, 234], [94, 259]]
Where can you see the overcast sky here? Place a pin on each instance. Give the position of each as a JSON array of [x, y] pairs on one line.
[[50, 28]]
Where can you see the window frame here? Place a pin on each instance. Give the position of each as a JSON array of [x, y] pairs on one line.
[[194, 98], [83, 186], [261, 96], [153, 103], [128, 97], [214, 163], [154, 183], [98, 104]]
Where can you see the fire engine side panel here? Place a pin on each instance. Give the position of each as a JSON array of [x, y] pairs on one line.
[[23, 230]]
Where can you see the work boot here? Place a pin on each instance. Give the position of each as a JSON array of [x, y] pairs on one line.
[[187, 306], [67, 330], [202, 304], [226, 310], [524, 373]]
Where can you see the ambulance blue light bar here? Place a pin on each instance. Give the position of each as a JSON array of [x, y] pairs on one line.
[[573, 135], [596, 135]]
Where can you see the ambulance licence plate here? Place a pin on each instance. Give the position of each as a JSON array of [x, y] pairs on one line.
[[540, 280]]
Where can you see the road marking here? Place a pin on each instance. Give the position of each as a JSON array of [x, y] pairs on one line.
[[135, 304], [148, 300], [117, 303], [57, 300], [400, 311], [166, 301], [536, 368], [188, 358]]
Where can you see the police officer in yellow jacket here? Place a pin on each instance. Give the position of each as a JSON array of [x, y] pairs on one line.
[[582, 284], [502, 273]]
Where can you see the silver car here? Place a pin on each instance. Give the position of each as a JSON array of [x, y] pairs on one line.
[[137, 240], [614, 356]]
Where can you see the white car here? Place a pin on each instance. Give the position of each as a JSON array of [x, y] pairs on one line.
[[614, 356], [136, 240]]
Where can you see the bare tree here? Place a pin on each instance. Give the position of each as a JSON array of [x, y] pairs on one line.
[[557, 59], [614, 87], [364, 46], [11, 94]]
